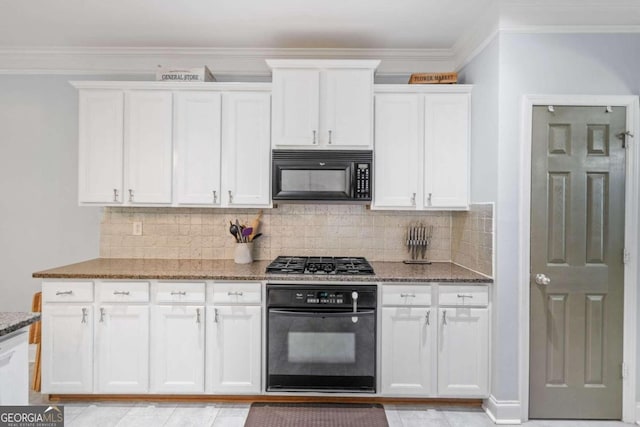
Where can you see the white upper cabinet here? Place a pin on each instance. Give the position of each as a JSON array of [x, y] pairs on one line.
[[422, 147], [347, 108], [148, 136], [322, 104], [296, 107], [246, 149], [446, 154], [158, 143], [197, 144], [397, 150], [101, 126]]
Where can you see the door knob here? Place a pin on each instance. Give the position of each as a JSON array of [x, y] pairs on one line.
[[542, 279]]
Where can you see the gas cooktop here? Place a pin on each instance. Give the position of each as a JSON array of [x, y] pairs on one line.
[[320, 265]]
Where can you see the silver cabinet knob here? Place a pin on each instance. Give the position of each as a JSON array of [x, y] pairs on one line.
[[330, 132], [314, 137], [413, 199], [429, 199], [215, 196], [215, 315], [84, 315], [101, 314], [130, 195], [230, 197], [115, 194], [542, 279], [197, 315], [427, 316], [444, 317]]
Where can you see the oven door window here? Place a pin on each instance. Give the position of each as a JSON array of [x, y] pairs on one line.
[[321, 350], [328, 182]]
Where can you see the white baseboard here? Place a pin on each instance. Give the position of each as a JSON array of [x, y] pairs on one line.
[[505, 412], [32, 352]]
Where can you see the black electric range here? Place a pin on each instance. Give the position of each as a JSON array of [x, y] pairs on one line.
[[352, 266]]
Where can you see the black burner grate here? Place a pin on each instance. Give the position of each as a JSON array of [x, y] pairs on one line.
[[320, 265]]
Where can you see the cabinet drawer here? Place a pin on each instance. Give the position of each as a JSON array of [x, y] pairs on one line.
[[474, 295], [178, 292], [236, 293], [67, 291], [123, 291], [413, 295]]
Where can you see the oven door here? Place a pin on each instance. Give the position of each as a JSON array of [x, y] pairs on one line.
[[325, 351], [312, 180]]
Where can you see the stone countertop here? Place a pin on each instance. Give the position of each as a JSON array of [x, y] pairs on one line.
[[191, 269], [12, 321]]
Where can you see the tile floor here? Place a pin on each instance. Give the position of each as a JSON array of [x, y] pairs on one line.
[[150, 414]]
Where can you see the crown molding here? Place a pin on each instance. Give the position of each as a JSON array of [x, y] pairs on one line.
[[222, 61]]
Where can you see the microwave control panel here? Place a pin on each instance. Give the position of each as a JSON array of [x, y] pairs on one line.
[[363, 181]]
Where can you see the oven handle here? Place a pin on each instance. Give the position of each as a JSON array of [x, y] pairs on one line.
[[322, 314]]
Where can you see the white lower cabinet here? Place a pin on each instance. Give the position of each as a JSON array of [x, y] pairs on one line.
[[407, 351], [435, 347], [122, 349], [67, 347], [177, 349], [234, 338], [67, 337], [463, 351], [14, 368], [233, 349]]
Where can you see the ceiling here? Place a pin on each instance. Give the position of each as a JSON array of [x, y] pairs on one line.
[[52, 34]]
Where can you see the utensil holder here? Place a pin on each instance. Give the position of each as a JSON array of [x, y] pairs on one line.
[[243, 253]]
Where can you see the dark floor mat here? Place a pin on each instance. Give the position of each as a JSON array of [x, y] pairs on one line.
[[316, 415]]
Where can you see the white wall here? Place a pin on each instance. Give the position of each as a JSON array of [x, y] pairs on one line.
[[542, 64], [41, 225], [483, 73]]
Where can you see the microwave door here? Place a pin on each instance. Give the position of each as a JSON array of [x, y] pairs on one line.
[[313, 181]]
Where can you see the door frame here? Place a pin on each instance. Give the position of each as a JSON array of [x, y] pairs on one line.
[[632, 202]]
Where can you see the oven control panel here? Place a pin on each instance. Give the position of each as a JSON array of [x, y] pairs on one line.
[[334, 297], [323, 297]]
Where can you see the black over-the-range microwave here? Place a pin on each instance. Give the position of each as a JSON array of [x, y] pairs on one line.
[[322, 175]]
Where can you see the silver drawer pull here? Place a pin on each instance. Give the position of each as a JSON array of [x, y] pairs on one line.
[[84, 315], [121, 292], [235, 294], [407, 295], [178, 293], [464, 296], [64, 292]]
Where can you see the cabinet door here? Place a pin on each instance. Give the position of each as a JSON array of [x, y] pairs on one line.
[[463, 355], [101, 136], [14, 370], [296, 98], [67, 348], [197, 117], [122, 349], [446, 156], [397, 150], [148, 131], [177, 349], [407, 361], [346, 112], [246, 151], [233, 349]]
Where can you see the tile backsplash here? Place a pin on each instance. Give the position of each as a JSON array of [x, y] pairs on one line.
[[337, 230], [472, 238]]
